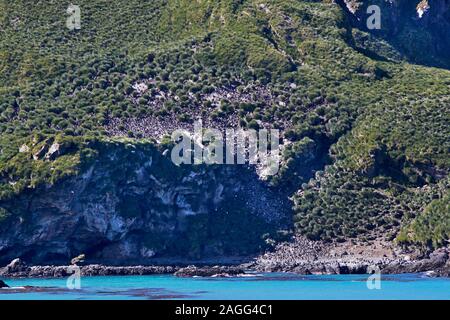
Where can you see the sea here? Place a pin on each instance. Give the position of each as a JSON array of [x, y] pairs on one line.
[[252, 286]]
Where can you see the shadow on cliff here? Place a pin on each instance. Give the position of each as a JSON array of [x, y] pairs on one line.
[[405, 34], [131, 205]]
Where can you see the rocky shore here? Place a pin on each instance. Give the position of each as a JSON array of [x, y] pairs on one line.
[[436, 265], [302, 256], [214, 271], [19, 269], [299, 256]]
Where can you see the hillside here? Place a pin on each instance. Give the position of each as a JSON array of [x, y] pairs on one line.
[[85, 114]]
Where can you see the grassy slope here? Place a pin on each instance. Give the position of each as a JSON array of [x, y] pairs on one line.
[[386, 121]]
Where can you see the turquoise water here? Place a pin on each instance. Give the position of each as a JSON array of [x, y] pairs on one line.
[[254, 287]]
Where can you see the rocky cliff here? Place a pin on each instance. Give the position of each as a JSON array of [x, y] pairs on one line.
[[413, 27], [366, 131], [132, 205]]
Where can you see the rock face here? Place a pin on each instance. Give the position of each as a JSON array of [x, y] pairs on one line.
[[303, 256], [3, 284], [412, 26], [438, 263], [132, 205]]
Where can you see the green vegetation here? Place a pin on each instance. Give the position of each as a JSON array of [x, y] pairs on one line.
[[38, 164], [378, 123], [431, 228]]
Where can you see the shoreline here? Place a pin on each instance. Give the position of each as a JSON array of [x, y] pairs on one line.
[[299, 256], [436, 266]]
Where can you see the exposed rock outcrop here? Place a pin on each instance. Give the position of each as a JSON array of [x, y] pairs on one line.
[[26, 271], [77, 260], [438, 263], [303, 256], [413, 27], [16, 265], [215, 271], [132, 205]]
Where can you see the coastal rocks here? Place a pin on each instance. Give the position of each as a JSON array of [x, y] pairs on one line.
[[292, 255], [438, 264], [445, 270], [322, 267], [16, 265], [77, 260], [96, 270], [303, 256], [89, 270], [3, 284], [44, 272], [215, 271], [438, 261], [355, 266]]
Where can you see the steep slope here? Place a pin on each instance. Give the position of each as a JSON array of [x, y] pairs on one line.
[[365, 133], [129, 203]]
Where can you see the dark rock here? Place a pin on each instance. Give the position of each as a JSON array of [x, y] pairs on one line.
[[445, 270], [438, 262], [41, 152], [15, 266], [78, 260], [137, 204], [88, 270], [216, 271], [3, 284], [401, 18]]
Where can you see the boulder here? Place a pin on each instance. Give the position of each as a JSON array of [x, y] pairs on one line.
[[17, 265], [54, 151], [216, 271], [24, 148], [78, 260]]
